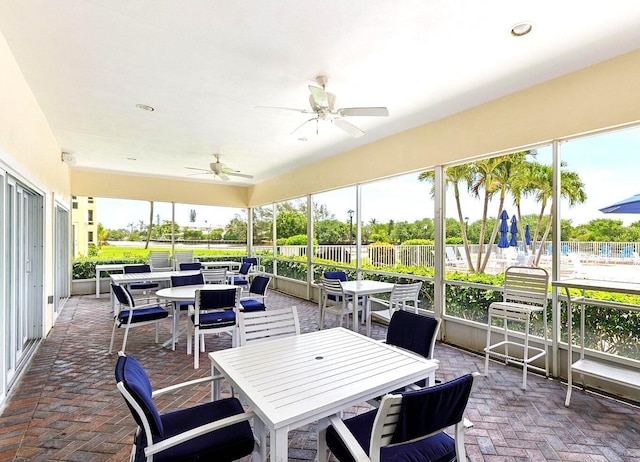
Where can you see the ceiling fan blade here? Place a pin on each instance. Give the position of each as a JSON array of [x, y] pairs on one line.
[[348, 127], [223, 176], [302, 125], [319, 95], [241, 175], [364, 111], [303, 111], [204, 170]]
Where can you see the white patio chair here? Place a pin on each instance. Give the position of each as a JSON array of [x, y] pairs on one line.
[[216, 311], [182, 256], [525, 293], [335, 301], [260, 326], [452, 260], [159, 260], [403, 297], [214, 275]]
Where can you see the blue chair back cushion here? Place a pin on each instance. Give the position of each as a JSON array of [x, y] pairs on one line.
[[341, 275], [411, 331], [216, 299], [436, 448], [135, 380], [259, 285], [251, 260], [137, 269], [119, 292], [250, 305], [429, 409], [190, 280], [190, 266], [140, 269]]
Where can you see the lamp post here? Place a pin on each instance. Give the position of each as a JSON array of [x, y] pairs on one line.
[[350, 213]]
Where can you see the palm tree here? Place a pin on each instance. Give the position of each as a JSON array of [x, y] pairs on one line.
[[455, 176], [571, 188]]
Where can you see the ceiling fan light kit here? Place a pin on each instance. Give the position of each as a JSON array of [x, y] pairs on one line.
[[220, 170], [324, 107]]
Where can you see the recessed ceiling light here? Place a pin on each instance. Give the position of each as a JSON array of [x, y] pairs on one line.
[[522, 28], [145, 107]]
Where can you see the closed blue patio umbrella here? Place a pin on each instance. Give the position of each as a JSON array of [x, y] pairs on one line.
[[514, 232], [503, 242], [527, 235]]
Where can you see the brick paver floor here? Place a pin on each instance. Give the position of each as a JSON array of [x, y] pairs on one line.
[[66, 406]]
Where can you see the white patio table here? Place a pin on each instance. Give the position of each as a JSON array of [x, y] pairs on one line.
[[364, 288], [127, 279], [293, 381]]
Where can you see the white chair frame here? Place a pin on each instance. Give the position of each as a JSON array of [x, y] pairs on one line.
[[118, 308], [340, 308], [197, 334], [525, 292], [260, 326], [214, 275]]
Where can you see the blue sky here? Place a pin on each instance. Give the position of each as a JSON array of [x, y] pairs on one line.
[[608, 164]]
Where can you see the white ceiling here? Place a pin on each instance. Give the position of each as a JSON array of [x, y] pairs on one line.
[[205, 65]]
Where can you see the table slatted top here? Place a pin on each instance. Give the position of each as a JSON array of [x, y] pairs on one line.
[[300, 379]]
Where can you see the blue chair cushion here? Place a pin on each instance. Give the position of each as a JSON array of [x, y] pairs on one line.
[[132, 374], [214, 319], [143, 314], [251, 305], [227, 444], [436, 448], [240, 282]]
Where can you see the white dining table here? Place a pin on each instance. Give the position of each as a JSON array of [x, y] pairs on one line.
[[293, 381], [364, 288]]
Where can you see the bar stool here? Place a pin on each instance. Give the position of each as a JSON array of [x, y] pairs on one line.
[[525, 292]]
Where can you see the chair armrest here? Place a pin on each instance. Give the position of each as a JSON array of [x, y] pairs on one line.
[[348, 439], [146, 305], [198, 431], [177, 386]]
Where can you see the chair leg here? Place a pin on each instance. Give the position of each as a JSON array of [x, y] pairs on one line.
[[189, 336], [124, 340], [113, 334], [486, 350], [526, 353], [196, 348]]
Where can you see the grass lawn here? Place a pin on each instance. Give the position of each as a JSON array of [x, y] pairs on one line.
[[113, 252]]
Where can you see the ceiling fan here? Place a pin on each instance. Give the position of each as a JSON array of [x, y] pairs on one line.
[[220, 170], [324, 107]]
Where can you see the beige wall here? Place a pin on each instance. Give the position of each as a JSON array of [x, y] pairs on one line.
[[101, 184], [29, 152]]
